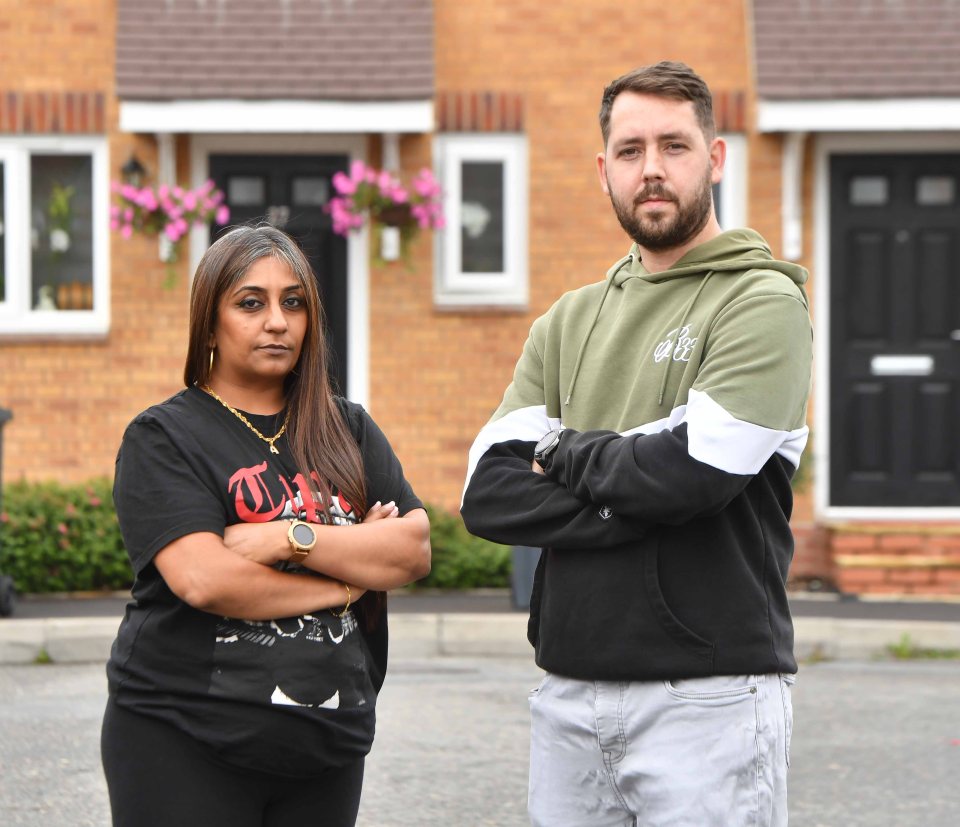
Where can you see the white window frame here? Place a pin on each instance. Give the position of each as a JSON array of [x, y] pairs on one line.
[[17, 316], [509, 288], [733, 186]]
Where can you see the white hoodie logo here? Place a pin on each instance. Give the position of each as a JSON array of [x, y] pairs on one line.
[[677, 345]]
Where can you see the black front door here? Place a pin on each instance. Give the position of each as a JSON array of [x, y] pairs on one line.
[[289, 192], [895, 330]]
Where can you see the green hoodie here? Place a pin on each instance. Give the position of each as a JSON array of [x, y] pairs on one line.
[[664, 511], [670, 318]]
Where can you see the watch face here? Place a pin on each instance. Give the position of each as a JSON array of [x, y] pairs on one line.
[[548, 440], [303, 534]]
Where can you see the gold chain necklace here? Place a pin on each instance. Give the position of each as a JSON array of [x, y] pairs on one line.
[[268, 439]]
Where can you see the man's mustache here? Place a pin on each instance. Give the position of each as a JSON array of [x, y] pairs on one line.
[[656, 192]]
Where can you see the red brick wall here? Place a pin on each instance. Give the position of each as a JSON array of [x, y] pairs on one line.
[[71, 397], [897, 559]]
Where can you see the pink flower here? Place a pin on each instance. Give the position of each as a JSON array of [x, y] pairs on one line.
[[62, 528], [70, 510], [126, 231], [358, 171], [95, 502], [223, 214], [172, 232], [344, 185], [4, 517], [189, 201]]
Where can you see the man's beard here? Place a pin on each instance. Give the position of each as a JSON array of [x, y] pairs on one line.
[[663, 233]]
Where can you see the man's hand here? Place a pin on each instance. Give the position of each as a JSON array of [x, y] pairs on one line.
[[537, 468]]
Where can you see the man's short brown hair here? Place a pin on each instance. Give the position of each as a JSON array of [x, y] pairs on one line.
[[666, 79]]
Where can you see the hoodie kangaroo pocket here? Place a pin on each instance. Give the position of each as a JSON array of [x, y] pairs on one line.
[[666, 619]]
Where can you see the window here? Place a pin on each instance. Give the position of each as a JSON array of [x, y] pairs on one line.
[[869, 191], [481, 254], [53, 236], [730, 195]]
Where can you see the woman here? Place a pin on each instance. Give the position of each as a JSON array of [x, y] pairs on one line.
[[264, 519]]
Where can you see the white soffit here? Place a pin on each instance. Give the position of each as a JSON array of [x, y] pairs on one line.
[[881, 115], [274, 116]]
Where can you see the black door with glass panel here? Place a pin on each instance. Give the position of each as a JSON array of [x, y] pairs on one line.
[[895, 330], [289, 192]]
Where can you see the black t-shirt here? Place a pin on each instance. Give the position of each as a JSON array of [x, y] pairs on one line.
[[290, 696]]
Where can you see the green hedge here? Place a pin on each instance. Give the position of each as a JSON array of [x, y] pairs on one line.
[[62, 538], [65, 538], [460, 560]]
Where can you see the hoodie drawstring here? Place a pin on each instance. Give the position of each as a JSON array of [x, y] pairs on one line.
[[683, 321], [593, 324]]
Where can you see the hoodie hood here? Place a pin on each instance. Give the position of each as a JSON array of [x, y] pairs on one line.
[[732, 251]]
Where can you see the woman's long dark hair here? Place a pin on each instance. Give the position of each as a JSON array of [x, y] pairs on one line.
[[319, 438]]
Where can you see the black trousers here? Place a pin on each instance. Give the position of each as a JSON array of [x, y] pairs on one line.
[[160, 777]]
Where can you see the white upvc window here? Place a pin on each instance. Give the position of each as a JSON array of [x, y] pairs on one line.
[[730, 195], [54, 236], [481, 255]]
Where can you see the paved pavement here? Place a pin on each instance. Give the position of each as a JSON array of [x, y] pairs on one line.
[[876, 744], [79, 629]]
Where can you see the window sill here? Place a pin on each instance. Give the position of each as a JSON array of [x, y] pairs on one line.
[[474, 303]]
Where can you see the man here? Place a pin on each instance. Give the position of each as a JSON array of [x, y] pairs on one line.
[[647, 443]]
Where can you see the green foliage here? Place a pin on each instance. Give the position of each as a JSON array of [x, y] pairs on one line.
[[462, 561], [57, 538], [907, 649], [62, 537]]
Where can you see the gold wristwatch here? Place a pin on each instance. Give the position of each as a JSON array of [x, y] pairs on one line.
[[302, 539]]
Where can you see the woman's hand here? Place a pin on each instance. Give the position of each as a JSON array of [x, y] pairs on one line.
[[264, 543], [381, 511]]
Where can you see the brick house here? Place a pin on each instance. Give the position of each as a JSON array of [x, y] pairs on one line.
[[843, 125]]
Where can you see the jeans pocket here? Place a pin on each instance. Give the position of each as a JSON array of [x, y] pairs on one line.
[[716, 689], [533, 693]]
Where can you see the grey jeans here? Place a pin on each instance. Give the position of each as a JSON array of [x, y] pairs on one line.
[[706, 752]]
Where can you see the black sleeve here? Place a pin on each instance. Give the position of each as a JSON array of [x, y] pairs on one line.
[[382, 469], [158, 494], [646, 477], [508, 503]]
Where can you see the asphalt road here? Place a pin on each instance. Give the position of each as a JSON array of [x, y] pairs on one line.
[[875, 745]]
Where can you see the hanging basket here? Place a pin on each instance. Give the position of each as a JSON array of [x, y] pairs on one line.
[[396, 215]]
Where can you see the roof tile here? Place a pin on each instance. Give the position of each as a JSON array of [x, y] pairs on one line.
[[857, 48], [289, 49]]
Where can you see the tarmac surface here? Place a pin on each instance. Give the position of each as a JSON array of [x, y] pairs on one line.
[[875, 744], [876, 740]]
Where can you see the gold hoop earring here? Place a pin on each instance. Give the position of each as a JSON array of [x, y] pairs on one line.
[[211, 360]]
